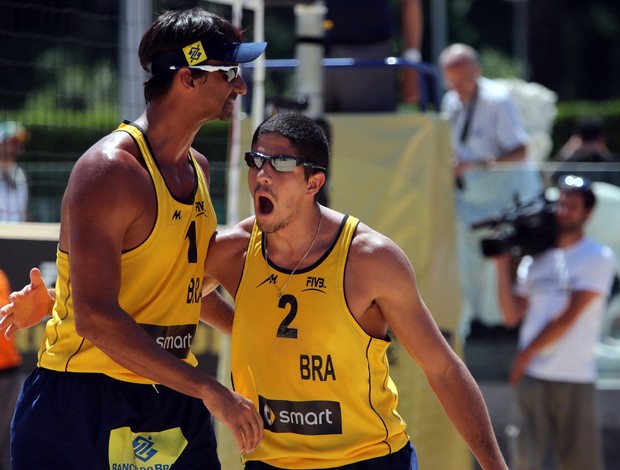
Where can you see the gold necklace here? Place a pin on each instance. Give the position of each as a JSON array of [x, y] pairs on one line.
[[318, 229]]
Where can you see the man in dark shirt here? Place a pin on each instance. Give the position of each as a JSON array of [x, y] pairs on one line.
[[362, 29]]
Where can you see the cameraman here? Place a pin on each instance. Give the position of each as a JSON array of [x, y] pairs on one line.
[[560, 298]]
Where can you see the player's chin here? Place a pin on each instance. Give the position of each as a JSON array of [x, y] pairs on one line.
[[266, 220], [227, 111], [226, 115]]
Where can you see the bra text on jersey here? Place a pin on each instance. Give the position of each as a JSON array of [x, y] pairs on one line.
[[316, 368], [194, 291]]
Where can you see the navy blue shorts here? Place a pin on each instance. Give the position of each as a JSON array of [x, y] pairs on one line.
[[69, 420], [404, 459]]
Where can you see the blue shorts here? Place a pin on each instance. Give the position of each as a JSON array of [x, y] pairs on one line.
[[404, 459], [75, 420]]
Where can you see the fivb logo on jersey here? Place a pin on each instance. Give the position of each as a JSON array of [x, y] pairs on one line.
[[199, 210], [313, 283], [309, 418]]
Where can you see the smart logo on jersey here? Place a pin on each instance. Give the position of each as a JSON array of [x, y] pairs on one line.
[[194, 53], [143, 448], [271, 279], [311, 418], [176, 339], [315, 284]]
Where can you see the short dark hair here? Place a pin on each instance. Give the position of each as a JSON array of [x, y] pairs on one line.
[[578, 185], [173, 30], [306, 135], [590, 128]]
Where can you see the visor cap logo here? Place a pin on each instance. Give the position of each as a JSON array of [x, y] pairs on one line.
[[194, 53]]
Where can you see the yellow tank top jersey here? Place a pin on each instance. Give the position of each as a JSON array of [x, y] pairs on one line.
[[320, 382], [161, 283]]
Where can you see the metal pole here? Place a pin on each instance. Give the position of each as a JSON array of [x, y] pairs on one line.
[[519, 35], [136, 18], [309, 52], [258, 105], [233, 174], [258, 88]]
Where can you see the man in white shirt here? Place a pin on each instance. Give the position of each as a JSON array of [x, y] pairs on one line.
[[490, 170], [13, 181], [559, 300]]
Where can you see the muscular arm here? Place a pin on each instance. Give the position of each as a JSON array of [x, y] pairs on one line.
[[217, 312], [396, 294], [226, 255]]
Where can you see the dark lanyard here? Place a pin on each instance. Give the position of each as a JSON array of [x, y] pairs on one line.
[[469, 115]]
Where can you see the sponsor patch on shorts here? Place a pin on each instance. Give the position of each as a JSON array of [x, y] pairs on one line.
[[145, 450]]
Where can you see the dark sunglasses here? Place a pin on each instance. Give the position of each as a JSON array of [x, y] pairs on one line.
[[281, 163], [230, 71], [574, 183]]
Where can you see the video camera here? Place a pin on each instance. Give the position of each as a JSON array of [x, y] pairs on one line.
[[526, 229]]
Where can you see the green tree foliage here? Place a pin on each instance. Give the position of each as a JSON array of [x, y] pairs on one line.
[[572, 43]]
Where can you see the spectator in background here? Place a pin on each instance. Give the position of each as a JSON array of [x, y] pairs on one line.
[[362, 29], [560, 298], [586, 153], [13, 181], [10, 381], [489, 144]]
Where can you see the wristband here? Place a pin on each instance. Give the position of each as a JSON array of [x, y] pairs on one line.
[[412, 55]]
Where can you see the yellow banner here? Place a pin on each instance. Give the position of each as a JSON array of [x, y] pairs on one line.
[[394, 173]]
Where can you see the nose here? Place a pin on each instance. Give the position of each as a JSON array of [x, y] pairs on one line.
[[240, 86], [265, 172], [258, 177]]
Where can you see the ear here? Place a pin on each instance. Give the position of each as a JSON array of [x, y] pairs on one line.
[[184, 77], [315, 183]]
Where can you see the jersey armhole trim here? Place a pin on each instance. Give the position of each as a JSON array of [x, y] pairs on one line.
[[157, 216]]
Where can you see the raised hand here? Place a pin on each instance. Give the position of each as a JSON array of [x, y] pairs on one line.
[[26, 307]]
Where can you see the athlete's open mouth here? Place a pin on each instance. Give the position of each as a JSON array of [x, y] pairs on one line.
[[265, 205]]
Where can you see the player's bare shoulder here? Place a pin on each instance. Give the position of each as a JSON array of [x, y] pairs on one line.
[[109, 188], [229, 244], [235, 238], [375, 258], [368, 246], [114, 162]]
